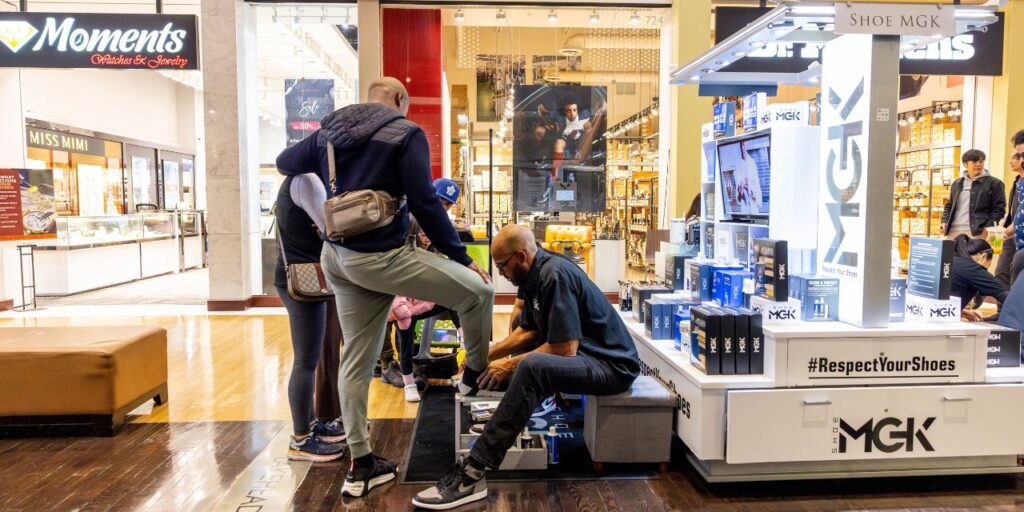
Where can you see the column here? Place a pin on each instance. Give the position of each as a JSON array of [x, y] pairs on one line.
[[1008, 91], [692, 36], [231, 141], [12, 129], [369, 44]]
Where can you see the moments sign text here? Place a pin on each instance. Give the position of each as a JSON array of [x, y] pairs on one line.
[[106, 41]]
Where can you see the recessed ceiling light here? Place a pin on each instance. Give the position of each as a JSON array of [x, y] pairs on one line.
[[634, 19], [739, 55], [460, 16], [594, 18], [694, 78], [552, 17]]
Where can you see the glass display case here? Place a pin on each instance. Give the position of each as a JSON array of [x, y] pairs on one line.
[[158, 225], [107, 229], [190, 222]]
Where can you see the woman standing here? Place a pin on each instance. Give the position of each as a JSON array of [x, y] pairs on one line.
[[300, 221]]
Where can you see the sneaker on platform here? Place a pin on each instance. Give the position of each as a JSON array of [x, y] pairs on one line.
[[331, 432], [314, 449], [412, 393], [463, 484], [361, 480]]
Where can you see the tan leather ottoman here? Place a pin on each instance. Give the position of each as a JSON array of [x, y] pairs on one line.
[[79, 376]]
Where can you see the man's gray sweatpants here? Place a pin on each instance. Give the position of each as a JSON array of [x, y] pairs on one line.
[[365, 285]]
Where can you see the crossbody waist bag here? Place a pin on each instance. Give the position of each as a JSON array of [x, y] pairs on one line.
[[306, 281], [356, 212]]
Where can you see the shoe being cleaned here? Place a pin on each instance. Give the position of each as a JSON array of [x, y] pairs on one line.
[[367, 472], [465, 482]]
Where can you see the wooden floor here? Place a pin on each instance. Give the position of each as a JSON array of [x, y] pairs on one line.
[[228, 381]]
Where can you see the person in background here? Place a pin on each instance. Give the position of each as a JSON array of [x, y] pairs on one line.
[[377, 148], [971, 279], [300, 220], [976, 200], [1012, 314], [1008, 256]]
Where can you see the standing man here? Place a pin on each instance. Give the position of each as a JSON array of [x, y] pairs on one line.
[[571, 341], [376, 148], [1008, 260], [976, 200]]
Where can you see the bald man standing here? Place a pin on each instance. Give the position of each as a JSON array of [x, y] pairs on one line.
[[376, 148], [571, 340]]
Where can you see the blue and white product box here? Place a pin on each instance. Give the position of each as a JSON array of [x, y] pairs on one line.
[[754, 106], [897, 299], [1003, 347], [681, 325], [820, 299], [673, 308], [732, 287], [693, 277], [710, 281], [675, 266], [926, 309], [708, 241], [775, 312], [724, 119], [930, 267]]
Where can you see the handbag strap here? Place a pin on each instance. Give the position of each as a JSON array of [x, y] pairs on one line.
[[280, 246], [332, 167]]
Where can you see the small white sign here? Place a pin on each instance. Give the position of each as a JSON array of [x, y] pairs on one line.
[[926, 309], [776, 313], [895, 19], [707, 132], [778, 114], [882, 115]]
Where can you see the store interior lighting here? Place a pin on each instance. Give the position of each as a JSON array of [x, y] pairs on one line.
[[634, 19], [552, 17], [501, 16], [460, 16], [594, 18]]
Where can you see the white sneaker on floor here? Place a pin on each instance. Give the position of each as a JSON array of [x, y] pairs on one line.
[[412, 393]]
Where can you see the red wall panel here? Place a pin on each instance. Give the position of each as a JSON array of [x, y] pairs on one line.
[[411, 52]]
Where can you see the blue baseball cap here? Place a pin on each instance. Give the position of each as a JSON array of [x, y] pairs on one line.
[[447, 189]]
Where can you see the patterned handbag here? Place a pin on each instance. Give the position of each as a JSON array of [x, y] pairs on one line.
[[306, 281]]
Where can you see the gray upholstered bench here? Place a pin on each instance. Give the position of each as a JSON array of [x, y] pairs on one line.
[[635, 426]]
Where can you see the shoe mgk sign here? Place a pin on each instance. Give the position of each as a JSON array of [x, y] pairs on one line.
[[99, 41]]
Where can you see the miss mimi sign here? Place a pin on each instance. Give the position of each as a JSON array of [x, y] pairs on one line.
[[104, 41]]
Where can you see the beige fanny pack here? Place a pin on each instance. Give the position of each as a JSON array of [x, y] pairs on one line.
[[356, 212]]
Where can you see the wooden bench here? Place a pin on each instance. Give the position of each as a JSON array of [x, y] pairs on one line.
[[78, 378]]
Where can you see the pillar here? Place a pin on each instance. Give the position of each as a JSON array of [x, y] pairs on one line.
[[12, 129], [231, 141], [691, 33], [369, 44], [1007, 91]]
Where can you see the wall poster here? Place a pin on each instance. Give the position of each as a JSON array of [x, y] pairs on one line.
[[27, 209], [306, 102], [558, 155]]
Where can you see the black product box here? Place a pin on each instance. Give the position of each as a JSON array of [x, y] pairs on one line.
[[693, 279], [728, 343], [929, 267], [641, 293], [755, 333], [705, 339], [771, 264], [675, 267], [648, 307], [1003, 347], [741, 334]]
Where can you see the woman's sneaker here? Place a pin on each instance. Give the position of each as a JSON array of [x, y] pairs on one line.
[[314, 449], [331, 432], [463, 484], [392, 375], [412, 393], [360, 480]]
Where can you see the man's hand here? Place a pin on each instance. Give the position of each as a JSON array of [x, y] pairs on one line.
[[942, 229], [497, 373], [970, 315], [483, 275], [1008, 232]]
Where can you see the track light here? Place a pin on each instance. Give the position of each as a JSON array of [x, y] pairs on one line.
[[501, 16], [460, 16], [552, 17], [594, 18], [903, 121], [634, 19], [911, 118]]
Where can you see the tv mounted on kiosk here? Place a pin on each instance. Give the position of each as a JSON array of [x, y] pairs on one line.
[[744, 167]]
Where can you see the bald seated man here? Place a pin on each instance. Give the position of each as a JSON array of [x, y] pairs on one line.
[[571, 340], [377, 148]]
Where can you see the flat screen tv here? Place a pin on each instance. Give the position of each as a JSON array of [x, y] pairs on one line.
[[745, 167]]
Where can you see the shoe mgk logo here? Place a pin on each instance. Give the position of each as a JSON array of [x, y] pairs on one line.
[[16, 34], [846, 132], [887, 435]]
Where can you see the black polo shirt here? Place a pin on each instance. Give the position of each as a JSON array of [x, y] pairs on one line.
[[562, 304]]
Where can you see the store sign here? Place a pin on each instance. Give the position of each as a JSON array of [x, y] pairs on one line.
[[778, 114], [978, 53], [60, 141], [894, 19], [106, 41], [306, 103], [27, 210]]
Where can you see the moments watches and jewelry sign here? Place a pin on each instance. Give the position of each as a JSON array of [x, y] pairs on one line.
[[102, 41], [978, 53]]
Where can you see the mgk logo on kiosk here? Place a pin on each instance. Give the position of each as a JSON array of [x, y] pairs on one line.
[[847, 158], [887, 435]]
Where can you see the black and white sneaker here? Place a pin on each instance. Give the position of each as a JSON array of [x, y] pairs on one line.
[[360, 480], [463, 484]]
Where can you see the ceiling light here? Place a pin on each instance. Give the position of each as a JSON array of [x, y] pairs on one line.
[[460, 16], [964, 14], [552, 17], [911, 118], [594, 18], [721, 62], [634, 19], [903, 121], [654, 111], [501, 16], [739, 55], [814, 79], [939, 115], [694, 78]]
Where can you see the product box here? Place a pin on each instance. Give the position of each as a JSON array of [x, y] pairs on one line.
[[708, 241], [673, 309], [693, 277], [728, 344], [724, 119], [929, 267], [1003, 347], [897, 299], [732, 285], [755, 333], [705, 339], [771, 264], [675, 267], [707, 276], [925, 309], [777, 313], [741, 335], [649, 316], [641, 293], [820, 299], [680, 314], [681, 332], [754, 105]]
